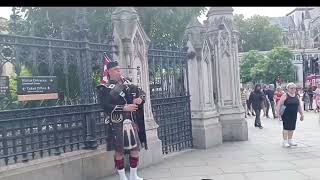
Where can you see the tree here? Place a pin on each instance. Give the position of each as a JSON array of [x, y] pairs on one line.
[[4, 26], [257, 67], [248, 69], [279, 64], [167, 24], [11, 100], [256, 33], [162, 24]]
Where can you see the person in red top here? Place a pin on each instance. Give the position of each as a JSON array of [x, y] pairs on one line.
[[278, 94]]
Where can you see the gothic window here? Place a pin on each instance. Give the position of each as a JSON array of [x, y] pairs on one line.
[[302, 16]]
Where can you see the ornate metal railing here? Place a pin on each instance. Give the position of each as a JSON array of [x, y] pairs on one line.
[[75, 63], [34, 133], [170, 99]]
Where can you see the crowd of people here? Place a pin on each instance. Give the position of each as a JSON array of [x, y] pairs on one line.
[[285, 103], [311, 98], [263, 98]]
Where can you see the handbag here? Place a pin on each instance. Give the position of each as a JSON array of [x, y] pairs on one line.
[[282, 108]]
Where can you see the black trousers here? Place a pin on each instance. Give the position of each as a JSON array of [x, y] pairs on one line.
[[311, 103], [257, 121], [272, 108]]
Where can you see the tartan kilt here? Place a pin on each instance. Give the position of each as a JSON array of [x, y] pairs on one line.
[[114, 140]]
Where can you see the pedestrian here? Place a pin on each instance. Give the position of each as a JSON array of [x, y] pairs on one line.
[[270, 100], [249, 107], [317, 97], [278, 94], [256, 99], [244, 100], [288, 107], [264, 102], [310, 92], [306, 100], [123, 104]]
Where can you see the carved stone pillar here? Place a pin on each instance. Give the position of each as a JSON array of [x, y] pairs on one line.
[[224, 46], [206, 128], [133, 54]]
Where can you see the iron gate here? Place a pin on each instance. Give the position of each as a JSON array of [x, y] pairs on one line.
[[170, 99]]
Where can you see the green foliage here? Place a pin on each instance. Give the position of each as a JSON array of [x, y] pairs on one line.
[[279, 64], [256, 67], [248, 65], [167, 24], [11, 100], [162, 24], [256, 33], [18, 25], [4, 25]]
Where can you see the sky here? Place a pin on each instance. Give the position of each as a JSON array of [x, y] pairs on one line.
[[246, 11]]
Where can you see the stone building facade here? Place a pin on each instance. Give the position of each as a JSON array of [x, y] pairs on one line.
[[300, 33], [300, 27]]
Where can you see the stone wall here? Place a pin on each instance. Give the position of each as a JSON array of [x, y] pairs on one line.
[[78, 165]]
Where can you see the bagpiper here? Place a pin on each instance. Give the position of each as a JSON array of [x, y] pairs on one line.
[[122, 103]]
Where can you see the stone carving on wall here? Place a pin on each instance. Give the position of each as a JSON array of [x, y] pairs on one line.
[[225, 43], [206, 55]]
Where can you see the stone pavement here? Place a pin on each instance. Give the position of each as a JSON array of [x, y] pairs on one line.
[[260, 158]]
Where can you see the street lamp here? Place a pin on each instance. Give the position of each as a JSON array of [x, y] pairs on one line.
[[303, 69]]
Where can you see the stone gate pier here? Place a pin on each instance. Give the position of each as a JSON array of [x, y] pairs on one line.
[[217, 114]]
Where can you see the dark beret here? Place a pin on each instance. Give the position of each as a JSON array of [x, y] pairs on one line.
[[112, 64]]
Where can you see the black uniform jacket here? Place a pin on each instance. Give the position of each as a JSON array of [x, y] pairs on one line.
[[114, 101]]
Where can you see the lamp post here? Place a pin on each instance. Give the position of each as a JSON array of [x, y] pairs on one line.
[[303, 70]]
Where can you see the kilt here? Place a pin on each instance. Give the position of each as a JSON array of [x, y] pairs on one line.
[[115, 138]]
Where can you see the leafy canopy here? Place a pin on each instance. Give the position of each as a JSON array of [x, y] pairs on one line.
[[256, 33], [258, 67]]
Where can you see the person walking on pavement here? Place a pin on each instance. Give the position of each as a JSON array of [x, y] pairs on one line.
[[256, 99], [265, 102], [270, 99], [278, 94], [306, 100], [310, 92], [244, 100], [292, 106], [249, 107]]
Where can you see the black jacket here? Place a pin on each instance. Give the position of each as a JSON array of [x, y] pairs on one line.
[[256, 99], [115, 103]]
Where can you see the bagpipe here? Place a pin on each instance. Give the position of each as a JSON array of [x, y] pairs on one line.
[[133, 90]]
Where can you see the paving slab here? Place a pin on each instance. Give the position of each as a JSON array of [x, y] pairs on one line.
[[262, 157]]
